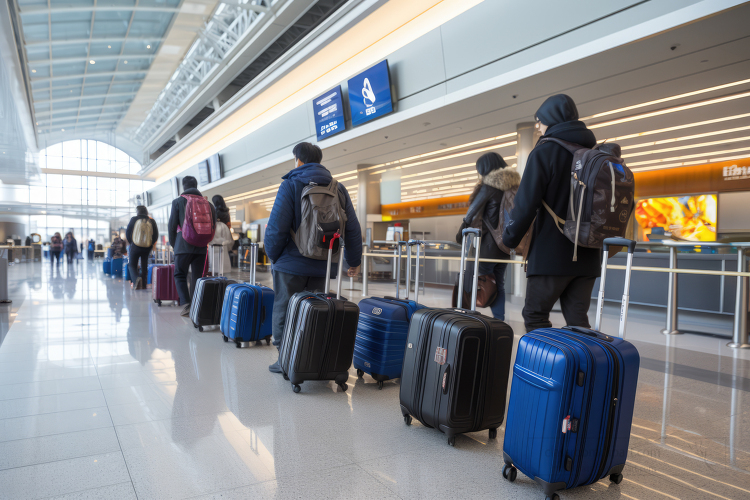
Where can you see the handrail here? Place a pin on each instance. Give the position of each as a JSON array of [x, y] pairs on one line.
[[439, 257], [682, 271]]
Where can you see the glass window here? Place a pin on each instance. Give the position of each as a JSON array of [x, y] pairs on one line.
[[71, 149], [71, 181]]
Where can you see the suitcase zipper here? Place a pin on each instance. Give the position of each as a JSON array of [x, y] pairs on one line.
[[613, 408]]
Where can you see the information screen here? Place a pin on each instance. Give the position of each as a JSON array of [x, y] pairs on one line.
[[370, 94], [203, 177], [214, 167], [329, 113]]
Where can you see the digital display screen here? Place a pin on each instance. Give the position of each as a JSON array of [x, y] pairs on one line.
[[691, 218], [214, 168], [329, 113], [370, 94], [203, 177]]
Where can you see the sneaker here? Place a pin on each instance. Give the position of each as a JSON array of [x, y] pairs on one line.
[[275, 368], [138, 284], [185, 310]]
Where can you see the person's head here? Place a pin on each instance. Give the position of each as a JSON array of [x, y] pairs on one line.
[[304, 152], [219, 202], [57, 234], [141, 210], [69, 236], [189, 182], [556, 109], [489, 162], [611, 148]]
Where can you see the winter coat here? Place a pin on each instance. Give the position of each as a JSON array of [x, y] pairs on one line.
[[547, 177], [486, 201], [131, 228], [286, 216], [56, 244], [70, 246], [224, 238], [176, 217]]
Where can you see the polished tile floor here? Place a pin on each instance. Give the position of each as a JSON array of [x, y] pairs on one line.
[[105, 395]]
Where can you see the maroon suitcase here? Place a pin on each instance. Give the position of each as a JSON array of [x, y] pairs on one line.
[[163, 286]]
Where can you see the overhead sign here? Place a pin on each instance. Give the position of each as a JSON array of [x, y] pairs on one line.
[[329, 113], [203, 176], [214, 167], [370, 94]]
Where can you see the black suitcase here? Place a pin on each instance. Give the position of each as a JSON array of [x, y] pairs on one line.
[[208, 296], [456, 366], [319, 333]]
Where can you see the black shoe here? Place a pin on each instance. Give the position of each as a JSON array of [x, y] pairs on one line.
[[185, 310], [275, 368]]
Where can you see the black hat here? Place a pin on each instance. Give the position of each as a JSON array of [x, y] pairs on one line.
[[559, 108]]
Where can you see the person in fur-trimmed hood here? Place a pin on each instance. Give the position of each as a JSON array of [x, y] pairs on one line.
[[485, 204]]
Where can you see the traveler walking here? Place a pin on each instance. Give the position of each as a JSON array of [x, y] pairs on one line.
[[91, 248], [192, 224], [296, 245], [117, 248], [485, 207], [55, 248], [71, 247], [223, 235], [142, 233], [552, 272]]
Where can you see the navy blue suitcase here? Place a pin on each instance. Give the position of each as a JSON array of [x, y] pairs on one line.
[[383, 328], [571, 401]]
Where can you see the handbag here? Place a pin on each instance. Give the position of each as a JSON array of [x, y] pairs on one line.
[[486, 290]]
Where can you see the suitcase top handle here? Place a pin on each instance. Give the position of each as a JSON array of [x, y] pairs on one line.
[[464, 251], [618, 242]]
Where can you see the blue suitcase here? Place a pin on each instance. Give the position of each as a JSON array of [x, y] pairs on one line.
[[117, 268], [571, 401], [150, 272], [107, 266], [383, 328], [125, 270]]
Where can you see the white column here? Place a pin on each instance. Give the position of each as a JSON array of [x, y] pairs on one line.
[[526, 135]]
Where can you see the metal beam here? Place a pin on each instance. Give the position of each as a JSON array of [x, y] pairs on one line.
[[94, 40], [94, 96], [73, 110], [76, 126], [86, 59], [72, 77], [251, 7], [86, 84], [93, 8], [79, 119]]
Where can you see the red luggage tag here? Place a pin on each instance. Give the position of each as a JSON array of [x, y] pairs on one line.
[[566, 424], [441, 355]]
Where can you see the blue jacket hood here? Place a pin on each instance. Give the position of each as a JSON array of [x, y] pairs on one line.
[[310, 172]]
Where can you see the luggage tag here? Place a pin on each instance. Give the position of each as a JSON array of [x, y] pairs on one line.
[[441, 355], [569, 424]]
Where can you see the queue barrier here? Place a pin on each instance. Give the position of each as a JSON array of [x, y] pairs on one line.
[[740, 326]]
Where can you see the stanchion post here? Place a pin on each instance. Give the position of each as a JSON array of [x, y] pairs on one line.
[[740, 333], [671, 328]]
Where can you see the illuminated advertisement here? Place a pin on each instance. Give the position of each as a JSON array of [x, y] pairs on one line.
[[691, 218], [370, 94]]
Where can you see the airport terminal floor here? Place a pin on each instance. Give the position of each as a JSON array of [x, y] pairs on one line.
[[105, 395]]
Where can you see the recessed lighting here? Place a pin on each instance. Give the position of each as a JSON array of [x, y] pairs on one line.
[[109, 46], [92, 61], [33, 71], [44, 211], [62, 130], [148, 46], [126, 62]]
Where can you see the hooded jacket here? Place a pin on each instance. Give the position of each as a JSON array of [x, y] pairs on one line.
[[286, 216], [486, 200], [176, 216], [547, 177]]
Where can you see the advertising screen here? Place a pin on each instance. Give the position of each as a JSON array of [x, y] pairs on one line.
[[370, 94], [691, 218], [214, 167], [203, 177], [329, 113]]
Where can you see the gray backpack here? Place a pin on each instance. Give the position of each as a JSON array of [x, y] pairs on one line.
[[323, 215]]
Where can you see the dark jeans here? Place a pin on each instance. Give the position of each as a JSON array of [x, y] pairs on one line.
[[498, 270], [70, 256], [182, 263], [542, 292], [284, 286], [91, 255], [54, 254], [136, 253]]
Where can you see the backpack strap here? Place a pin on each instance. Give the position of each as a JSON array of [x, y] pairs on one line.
[[558, 220], [570, 146]]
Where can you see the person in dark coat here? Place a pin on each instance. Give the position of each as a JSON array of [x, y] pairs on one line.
[[552, 273], [486, 201], [186, 256], [136, 252], [291, 271], [55, 248], [71, 247]]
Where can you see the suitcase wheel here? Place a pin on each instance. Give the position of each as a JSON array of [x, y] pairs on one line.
[[452, 440], [286, 377], [158, 302], [239, 345], [296, 388], [380, 384], [493, 433], [343, 387], [510, 473], [553, 496], [268, 340], [407, 419], [615, 478], [226, 339], [360, 373], [200, 328]]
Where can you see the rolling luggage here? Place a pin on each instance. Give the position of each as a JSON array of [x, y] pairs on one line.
[[248, 309], [163, 286], [117, 268], [150, 272], [125, 270], [208, 296], [319, 334], [384, 325], [456, 365], [107, 266], [571, 400]]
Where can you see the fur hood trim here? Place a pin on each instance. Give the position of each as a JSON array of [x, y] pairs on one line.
[[502, 179]]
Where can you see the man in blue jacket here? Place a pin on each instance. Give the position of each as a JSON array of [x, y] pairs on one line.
[[292, 272]]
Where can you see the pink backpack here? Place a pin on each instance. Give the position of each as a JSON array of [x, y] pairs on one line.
[[198, 227]]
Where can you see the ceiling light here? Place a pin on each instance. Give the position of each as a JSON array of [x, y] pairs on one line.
[[687, 157], [62, 129], [685, 138], [44, 211], [109, 46], [148, 46], [126, 62], [448, 157], [92, 61], [687, 146], [33, 71], [676, 127]]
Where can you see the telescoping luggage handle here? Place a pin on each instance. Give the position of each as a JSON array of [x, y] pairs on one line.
[[218, 268], [615, 242], [253, 261], [336, 236], [398, 270], [410, 244], [464, 250]]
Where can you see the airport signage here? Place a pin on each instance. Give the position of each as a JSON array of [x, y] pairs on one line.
[[329, 113], [720, 177], [370, 94]]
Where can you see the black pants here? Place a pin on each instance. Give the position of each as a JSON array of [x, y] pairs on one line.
[[542, 292], [70, 256], [137, 253], [54, 254], [182, 263], [284, 286]]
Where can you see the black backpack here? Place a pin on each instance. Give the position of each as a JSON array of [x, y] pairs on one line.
[[602, 191]]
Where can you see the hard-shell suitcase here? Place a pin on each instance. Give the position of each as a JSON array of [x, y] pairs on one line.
[[150, 273], [107, 266], [456, 365], [208, 296], [117, 268], [571, 400], [319, 333], [384, 325], [248, 309], [163, 286], [125, 270]]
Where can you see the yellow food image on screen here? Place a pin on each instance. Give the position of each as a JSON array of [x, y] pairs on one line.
[[687, 217]]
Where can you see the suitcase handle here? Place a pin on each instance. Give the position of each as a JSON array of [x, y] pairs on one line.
[[410, 244], [398, 270], [336, 236], [590, 333], [630, 244], [464, 250]]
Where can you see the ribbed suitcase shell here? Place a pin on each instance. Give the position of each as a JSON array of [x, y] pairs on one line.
[[381, 336], [545, 391], [475, 371], [208, 299], [163, 285], [117, 268], [318, 341], [107, 266], [249, 312]]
